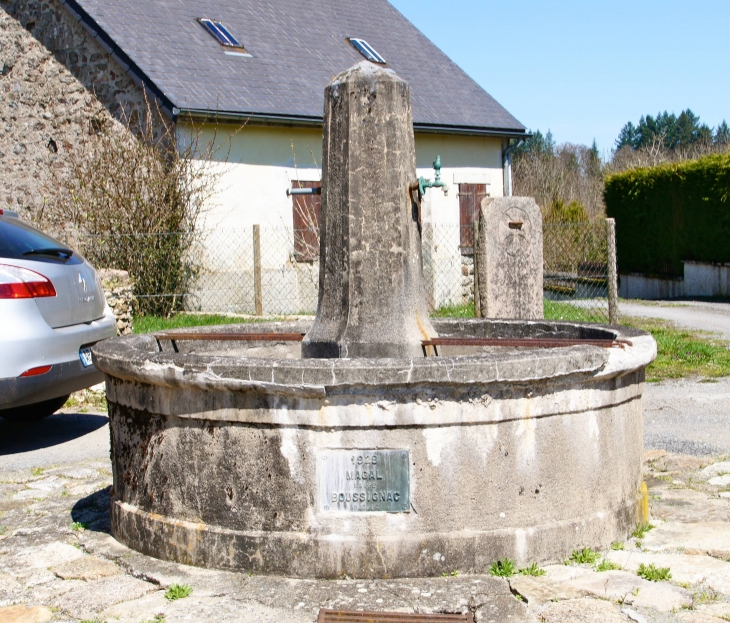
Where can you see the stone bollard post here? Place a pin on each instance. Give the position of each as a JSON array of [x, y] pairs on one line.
[[510, 258]]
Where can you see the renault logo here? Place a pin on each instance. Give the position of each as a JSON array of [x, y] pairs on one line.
[[82, 281]]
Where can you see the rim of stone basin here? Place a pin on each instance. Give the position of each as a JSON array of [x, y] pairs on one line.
[[139, 358]]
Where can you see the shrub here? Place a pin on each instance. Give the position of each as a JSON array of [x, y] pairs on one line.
[[131, 201], [671, 213]]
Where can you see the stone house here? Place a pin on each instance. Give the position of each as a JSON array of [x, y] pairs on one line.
[[250, 75]]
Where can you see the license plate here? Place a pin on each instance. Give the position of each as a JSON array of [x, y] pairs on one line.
[[85, 356]]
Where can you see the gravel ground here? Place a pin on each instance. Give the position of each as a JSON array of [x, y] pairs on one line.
[[688, 416], [704, 316]]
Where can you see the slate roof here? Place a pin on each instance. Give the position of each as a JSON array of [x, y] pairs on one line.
[[296, 47]]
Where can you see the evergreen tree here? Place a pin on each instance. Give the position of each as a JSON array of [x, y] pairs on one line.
[[670, 131], [629, 136], [537, 145], [722, 134]]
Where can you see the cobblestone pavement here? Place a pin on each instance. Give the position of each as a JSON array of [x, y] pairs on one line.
[[58, 562]]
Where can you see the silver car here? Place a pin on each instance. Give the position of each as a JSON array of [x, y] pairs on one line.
[[52, 311]]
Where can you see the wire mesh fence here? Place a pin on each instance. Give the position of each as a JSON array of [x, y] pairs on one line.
[[576, 271], [261, 270]]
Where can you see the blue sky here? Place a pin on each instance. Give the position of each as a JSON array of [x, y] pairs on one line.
[[583, 68]]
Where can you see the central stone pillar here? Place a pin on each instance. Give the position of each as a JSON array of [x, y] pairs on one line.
[[371, 296]]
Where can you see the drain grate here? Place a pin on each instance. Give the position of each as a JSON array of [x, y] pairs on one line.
[[359, 616]]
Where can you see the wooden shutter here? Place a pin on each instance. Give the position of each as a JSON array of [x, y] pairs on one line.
[[470, 199], [306, 213]]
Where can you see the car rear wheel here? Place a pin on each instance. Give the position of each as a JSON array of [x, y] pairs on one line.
[[37, 411]]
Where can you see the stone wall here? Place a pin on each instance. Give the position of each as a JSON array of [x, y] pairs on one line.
[[119, 295], [467, 279], [58, 87]]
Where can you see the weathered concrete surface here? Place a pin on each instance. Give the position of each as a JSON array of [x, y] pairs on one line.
[[36, 535], [371, 296], [629, 588], [510, 258], [525, 453]]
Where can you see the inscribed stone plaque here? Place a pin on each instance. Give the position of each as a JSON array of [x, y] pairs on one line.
[[364, 480]]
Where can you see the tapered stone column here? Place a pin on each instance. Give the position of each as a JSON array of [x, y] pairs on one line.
[[371, 295]]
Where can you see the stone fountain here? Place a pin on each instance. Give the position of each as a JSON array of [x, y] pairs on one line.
[[374, 442]]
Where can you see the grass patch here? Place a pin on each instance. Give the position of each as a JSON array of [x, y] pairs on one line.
[[607, 565], [583, 556], [553, 310], [654, 573], [682, 352], [158, 618], [560, 310], [455, 311], [641, 530], [532, 570], [503, 568], [152, 324], [78, 526], [178, 591]]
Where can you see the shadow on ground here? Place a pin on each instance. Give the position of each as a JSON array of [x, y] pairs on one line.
[[93, 511], [18, 437]]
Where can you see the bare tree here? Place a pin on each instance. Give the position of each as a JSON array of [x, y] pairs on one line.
[[131, 201]]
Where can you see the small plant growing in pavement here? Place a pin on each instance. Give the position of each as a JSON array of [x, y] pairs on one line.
[[654, 573], [583, 556], [533, 570], [36, 471], [178, 591], [607, 565], [617, 546], [704, 596], [78, 526], [158, 618], [503, 568], [641, 530]]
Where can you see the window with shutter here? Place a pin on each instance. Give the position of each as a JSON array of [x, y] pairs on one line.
[[306, 213], [470, 198]]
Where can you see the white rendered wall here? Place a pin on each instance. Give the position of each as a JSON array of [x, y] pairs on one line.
[[256, 164], [699, 280]]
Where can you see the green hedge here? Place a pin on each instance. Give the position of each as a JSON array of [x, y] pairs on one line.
[[671, 213]]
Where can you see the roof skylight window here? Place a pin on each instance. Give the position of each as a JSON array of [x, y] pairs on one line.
[[366, 50], [221, 34]]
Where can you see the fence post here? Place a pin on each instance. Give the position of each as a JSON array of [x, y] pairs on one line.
[[612, 271], [258, 294], [475, 250]]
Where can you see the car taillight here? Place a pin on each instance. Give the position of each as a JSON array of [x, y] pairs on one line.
[[21, 283], [36, 371]]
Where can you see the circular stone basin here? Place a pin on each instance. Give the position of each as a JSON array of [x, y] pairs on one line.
[[242, 455]]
